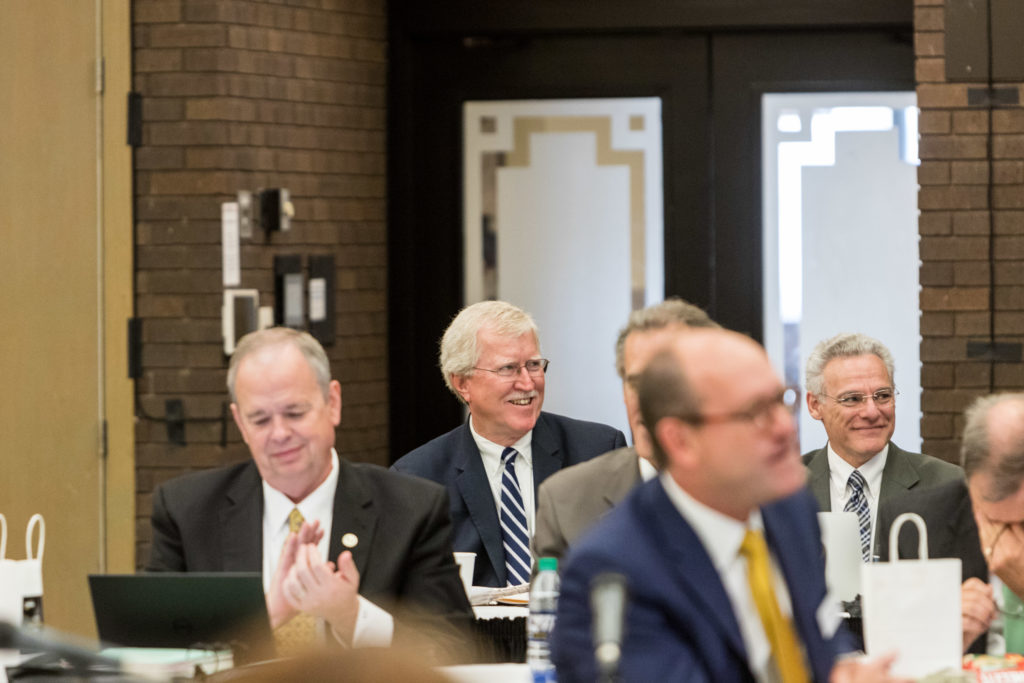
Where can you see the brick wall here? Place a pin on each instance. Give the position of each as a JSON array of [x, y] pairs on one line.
[[960, 291], [247, 94]]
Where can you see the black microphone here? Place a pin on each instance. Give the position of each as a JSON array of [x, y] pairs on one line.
[[608, 597], [59, 651]]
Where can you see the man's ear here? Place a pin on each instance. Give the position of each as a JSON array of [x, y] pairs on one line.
[[238, 422], [678, 440], [814, 406], [461, 385]]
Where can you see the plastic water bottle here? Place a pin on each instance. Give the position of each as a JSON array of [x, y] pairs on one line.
[[543, 604]]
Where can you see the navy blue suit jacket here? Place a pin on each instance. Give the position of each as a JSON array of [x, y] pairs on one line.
[[680, 624], [453, 460]]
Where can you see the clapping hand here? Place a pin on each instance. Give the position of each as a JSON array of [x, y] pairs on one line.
[[279, 608]]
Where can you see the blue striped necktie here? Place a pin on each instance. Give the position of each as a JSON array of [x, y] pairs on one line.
[[514, 533], [858, 503]]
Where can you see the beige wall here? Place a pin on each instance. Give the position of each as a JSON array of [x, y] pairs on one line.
[[65, 273]]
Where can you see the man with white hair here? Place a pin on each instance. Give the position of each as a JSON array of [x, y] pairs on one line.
[[493, 463]]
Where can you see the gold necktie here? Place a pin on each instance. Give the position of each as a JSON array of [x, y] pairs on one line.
[[298, 633], [785, 647]]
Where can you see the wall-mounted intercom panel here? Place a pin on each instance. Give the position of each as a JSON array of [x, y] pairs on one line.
[[239, 316]]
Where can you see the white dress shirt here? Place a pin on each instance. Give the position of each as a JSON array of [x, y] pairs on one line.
[[374, 625], [839, 474], [490, 454], [722, 536]]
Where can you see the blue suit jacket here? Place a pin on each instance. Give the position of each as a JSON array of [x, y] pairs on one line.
[[453, 460], [680, 624]]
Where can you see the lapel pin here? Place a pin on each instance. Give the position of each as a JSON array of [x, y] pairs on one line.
[[350, 540]]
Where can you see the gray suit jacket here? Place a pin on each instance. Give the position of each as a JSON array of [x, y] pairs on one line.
[[571, 500], [904, 472]]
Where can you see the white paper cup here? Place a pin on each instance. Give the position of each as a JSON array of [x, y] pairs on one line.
[[466, 562]]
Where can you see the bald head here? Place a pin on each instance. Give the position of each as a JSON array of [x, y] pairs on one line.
[[992, 449], [714, 405]]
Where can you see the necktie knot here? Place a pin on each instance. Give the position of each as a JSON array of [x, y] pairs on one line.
[[508, 456], [856, 482], [295, 520]]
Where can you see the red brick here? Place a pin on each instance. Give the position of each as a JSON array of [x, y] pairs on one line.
[[969, 172], [953, 248], [935, 223], [971, 223], [954, 299], [931, 44], [971, 121], [953, 197], [929, 19], [941, 95], [935, 122]]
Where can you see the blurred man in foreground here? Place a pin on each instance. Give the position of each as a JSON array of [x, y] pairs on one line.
[[570, 501], [721, 553]]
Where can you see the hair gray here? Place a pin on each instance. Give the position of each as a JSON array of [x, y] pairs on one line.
[[846, 345], [278, 336], [460, 349], [668, 312], [1006, 469], [664, 391]]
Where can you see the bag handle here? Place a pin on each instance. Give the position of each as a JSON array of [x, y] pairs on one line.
[[35, 520], [922, 536], [3, 536]]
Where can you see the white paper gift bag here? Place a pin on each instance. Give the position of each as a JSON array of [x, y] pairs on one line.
[[21, 581], [912, 607], [10, 582]]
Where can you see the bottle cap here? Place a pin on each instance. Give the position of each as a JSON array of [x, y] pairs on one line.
[[548, 563]]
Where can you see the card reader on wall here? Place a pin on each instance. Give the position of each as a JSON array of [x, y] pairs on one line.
[[289, 291], [239, 316]]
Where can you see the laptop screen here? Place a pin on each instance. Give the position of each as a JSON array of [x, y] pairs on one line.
[[183, 610]]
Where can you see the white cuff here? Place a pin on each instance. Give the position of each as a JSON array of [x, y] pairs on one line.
[[375, 626]]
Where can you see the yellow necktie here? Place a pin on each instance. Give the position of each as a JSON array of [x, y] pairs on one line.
[[298, 633], [785, 647]]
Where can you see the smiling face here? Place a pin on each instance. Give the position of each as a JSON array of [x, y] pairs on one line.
[[855, 434], [285, 419], [503, 409]]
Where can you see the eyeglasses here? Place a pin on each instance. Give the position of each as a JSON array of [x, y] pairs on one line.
[[882, 397], [535, 367], [761, 414]]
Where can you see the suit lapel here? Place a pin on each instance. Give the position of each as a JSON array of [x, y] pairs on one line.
[[692, 567], [623, 476], [818, 480], [898, 477], [472, 484], [354, 514], [546, 452], [241, 524]]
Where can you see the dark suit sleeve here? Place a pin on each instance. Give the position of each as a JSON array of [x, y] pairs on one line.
[[166, 552], [431, 593]]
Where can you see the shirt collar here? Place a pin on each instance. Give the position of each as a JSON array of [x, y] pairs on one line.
[[720, 534], [647, 470], [492, 451], [278, 506], [841, 470]]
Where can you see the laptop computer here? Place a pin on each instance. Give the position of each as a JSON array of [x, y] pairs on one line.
[[209, 611]]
